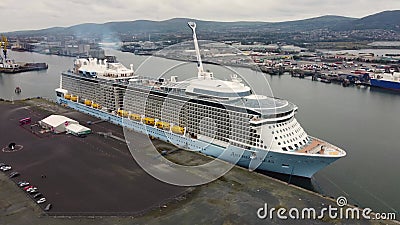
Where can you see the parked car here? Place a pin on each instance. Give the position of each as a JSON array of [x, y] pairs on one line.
[[5, 168], [23, 183], [27, 187], [32, 190], [38, 195], [42, 200], [14, 174]]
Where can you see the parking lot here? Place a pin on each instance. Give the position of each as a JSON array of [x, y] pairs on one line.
[[89, 176]]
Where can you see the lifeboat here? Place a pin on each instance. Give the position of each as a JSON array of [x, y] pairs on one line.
[[88, 102], [122, 113], [162, 125], [125, 114], [74, 98], [67, 96], [149, 121], [96, 106], [135, 117], [178, 129]]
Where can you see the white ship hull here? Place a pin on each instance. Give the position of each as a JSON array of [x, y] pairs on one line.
[[291, 163]]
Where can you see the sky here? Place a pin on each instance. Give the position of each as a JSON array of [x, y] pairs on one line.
[[38, 14]]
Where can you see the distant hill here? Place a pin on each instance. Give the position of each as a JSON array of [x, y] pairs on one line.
[[384, 20], [323, 22], [145, 26], [388, 20]]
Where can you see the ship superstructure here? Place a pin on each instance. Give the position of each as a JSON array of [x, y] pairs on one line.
[[386, 80], [201, 114]]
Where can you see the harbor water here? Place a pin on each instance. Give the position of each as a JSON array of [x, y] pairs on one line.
[[363, 121]]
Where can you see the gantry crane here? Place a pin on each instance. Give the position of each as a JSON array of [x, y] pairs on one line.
[[4, 43]]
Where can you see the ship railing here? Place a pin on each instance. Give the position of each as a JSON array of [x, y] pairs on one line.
[[327, 148]]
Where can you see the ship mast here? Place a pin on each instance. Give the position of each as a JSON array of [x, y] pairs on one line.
[[201, 73]]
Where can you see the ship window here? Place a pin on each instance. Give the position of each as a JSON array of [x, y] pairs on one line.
[[284, 149]]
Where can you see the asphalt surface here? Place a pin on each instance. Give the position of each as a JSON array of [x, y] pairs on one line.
[[89, 176]]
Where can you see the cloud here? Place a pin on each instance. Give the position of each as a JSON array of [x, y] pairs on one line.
[[37, 14]]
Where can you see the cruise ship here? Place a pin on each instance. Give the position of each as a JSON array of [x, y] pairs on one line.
[[202, 114]]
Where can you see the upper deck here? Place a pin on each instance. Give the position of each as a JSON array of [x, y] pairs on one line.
[[218, 93], [102, 69]]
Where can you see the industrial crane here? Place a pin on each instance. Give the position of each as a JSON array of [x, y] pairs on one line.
[[4, 43]]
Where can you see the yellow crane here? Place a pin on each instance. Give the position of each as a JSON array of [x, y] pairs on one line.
[[4, 42]]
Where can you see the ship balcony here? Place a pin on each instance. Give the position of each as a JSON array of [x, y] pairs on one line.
[[321, 147]]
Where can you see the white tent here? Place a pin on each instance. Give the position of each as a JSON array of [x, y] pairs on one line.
[[57, 123], [77, 129]]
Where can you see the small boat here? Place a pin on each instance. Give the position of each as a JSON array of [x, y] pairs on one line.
[[122, 113], [345, 83], [325, 80], [135, 117], [149, 121], [178, 130], [67, 96], [17, 90]]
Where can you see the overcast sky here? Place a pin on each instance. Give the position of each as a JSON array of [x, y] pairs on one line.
[[37, 14]]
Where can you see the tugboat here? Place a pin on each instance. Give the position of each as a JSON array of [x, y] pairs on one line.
[[10, 66]]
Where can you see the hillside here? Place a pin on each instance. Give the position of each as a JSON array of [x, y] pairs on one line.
[[388, 20]]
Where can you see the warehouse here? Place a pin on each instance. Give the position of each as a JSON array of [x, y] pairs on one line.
[[56, 123]]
